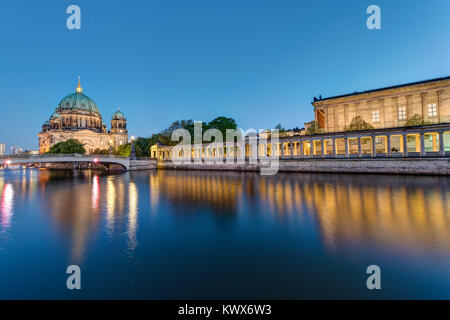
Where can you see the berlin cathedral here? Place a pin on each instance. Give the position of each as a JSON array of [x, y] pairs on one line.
[[78, 117]]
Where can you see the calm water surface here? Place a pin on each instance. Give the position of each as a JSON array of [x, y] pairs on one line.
[[179, 234]]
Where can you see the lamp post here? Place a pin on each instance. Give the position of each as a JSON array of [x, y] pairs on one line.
[[132, 151], [110, 147]]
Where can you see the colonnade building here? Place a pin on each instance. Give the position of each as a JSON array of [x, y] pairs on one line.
[[386, 107], [387, 110]]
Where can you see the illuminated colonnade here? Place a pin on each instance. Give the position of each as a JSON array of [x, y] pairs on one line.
[[425, 141]]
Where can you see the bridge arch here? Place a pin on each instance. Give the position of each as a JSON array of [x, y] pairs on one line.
[[107, 161]]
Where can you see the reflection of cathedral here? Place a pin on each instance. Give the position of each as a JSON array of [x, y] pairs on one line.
[[78, 117]]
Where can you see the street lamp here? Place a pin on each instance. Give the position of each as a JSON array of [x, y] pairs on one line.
[[132, 151], [110, 147]]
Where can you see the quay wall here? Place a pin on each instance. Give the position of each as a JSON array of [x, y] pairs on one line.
[[416, 166], [143, 164]]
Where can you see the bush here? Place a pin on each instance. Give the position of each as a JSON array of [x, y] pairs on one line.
[[68, 147], [101, 151], [123, 150], [359, 124], [415, 120], [313, 129]]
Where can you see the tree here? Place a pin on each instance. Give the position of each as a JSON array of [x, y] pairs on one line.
[[101, 151], [281, 130], [313, 128], [67, 147], [415, 120], [123, 150], [219, 123], [142, 147], [154, 138], [190, 128], [222, 124], [359, 124], [165, 136]]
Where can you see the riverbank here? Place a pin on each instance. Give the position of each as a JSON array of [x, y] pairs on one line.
[[415, 166]]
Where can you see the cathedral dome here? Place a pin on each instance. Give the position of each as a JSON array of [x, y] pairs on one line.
[[78, 102], [118, 115]]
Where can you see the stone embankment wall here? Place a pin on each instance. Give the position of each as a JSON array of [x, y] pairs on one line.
[[436, 166], [143, 164]]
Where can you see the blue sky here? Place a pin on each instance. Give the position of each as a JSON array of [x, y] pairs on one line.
[[260, 62]]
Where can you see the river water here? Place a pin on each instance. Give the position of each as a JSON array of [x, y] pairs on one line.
[[193, 235]]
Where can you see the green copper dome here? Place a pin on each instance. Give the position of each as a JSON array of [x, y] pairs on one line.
[[118, 115], [77, 102]]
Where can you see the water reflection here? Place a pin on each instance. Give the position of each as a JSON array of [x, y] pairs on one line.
[[398, 214], [6, 205], [95, 194], [132, 215], [387, 211], [195, 190], [110, 204]]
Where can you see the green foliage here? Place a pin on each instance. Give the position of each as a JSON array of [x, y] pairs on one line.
[[219, 123], [123, 150], [313, 129], [358, 124], [281, 131], [165, 136], [67, 147], [154, 139], [415, 120], [101, 151], [222, 124], [142, 146], [190, 128]]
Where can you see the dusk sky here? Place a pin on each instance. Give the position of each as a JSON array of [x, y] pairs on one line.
[[259, 62]]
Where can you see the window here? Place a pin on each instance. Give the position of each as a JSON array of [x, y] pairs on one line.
[[432, 110], [376, 116], [401, 113]]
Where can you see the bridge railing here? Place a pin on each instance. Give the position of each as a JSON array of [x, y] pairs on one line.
[[60, 155]]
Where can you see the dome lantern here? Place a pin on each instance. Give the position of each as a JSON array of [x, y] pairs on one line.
[[79, 88], [118, 115]]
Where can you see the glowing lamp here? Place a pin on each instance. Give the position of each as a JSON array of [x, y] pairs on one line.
[[8, 161], [95, 160]]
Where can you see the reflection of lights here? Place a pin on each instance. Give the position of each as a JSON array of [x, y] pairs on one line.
[[132, 215], [110, 203], [95, 193], [154, 192], [6, 204]]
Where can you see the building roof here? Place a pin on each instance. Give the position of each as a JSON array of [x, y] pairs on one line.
[[78, 102], [118, 115], [381, 89]]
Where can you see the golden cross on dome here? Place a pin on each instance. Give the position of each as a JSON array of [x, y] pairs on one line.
[[79, 88]]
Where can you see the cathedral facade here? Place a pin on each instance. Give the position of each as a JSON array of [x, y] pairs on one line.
[[78, 117]]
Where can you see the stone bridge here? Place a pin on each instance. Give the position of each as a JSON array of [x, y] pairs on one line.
[[110, 162]]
